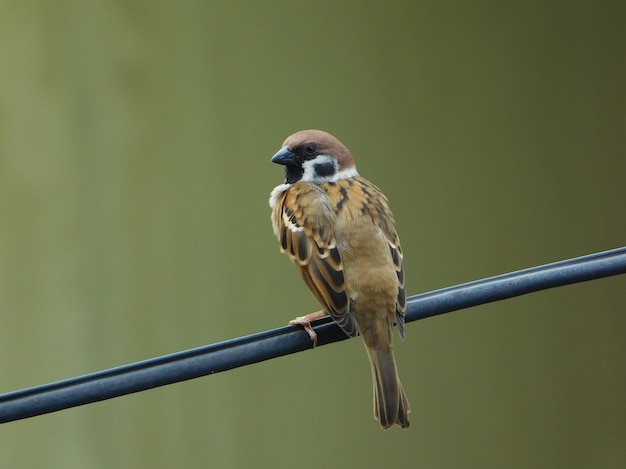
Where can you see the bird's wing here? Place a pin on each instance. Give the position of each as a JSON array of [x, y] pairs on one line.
[[396, 256], [375, 203], [304, 223]]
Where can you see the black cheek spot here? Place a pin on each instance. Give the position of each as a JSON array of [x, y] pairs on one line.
[[325, 169]]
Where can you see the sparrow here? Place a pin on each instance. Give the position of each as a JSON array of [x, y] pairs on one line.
[[337, 228]]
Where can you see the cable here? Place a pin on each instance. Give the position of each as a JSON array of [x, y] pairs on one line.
[[262, 346]]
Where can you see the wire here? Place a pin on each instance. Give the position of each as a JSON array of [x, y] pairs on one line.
[[255, 348]]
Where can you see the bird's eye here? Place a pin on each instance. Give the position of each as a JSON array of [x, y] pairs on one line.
[[310, 149]]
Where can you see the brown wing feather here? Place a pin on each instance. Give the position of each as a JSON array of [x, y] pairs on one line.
[[396, 255], [370, 200], [310, 243]]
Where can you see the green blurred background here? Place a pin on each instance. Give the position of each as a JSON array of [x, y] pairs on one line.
[[135, 140]]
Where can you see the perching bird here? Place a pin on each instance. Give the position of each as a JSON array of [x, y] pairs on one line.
[[338, 230]]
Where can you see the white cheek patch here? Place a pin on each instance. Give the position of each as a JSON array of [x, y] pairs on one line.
[[309, 167], [311, 170]]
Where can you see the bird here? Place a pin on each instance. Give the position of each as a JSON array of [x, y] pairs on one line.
[[338, 230]]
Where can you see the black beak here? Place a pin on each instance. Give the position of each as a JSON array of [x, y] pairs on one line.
[[285, 157]]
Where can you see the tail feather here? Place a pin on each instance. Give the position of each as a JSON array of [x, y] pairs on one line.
[[390, 403]]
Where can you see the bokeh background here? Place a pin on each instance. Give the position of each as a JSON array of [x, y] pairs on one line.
[[135, 140]]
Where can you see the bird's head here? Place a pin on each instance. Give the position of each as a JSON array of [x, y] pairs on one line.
[[315, 156]]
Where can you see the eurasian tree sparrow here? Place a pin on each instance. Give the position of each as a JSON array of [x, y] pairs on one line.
[[339, 231]]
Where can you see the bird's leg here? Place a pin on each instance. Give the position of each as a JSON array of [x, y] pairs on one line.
[[305, 321]]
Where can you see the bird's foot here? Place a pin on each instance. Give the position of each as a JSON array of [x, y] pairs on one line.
[[305, 321]]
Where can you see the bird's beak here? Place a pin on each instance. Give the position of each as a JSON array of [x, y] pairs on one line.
[[285, 157]]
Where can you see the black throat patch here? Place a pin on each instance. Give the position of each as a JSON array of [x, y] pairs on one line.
[[293, 174], [325, 169]]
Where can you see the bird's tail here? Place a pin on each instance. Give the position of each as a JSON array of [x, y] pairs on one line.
[[390, 403]]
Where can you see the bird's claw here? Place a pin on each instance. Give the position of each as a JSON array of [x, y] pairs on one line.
[[305, 322]]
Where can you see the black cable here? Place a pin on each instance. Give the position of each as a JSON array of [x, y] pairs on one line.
[[255, 348]]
